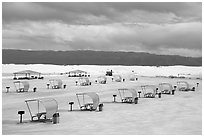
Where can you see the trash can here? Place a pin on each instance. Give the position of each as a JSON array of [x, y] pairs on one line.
[[173, 92], [100, 107], [7, 89], [65, 86], [136, 100], [159, 95], [55, 118], [34, 89], [136, 79]]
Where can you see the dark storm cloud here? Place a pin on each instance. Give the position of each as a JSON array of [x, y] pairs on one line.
[[74, 12], [166, 28]]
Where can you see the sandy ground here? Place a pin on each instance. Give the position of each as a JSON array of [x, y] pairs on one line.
[[179, 114]]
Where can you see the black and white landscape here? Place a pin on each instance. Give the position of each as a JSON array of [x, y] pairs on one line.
[[142, 43]]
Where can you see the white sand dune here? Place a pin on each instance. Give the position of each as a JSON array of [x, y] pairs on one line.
[[97, 70], [179, 114]]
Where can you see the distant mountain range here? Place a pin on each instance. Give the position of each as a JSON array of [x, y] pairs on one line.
[[89, 57]]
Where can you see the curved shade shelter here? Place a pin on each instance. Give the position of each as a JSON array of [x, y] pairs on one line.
[[102, 79], [28, 74], [165, 88], [117, 78], [84, 81], [127, 95], [88, 101], [21, 86], [183, 86], [44, 106], [149, 91], [55, 83]]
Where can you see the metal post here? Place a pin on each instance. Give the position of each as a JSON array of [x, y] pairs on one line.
[[71, 103], [48, 86], [114, 96], [21, 118], [7, 89], [139, 93], [21, 115]]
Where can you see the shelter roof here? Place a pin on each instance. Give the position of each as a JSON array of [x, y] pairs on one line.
[[55, 80], [41, 99], [77, 71], [153, 86], [165, 84], [132, 91], [24, 82], [50, 105], [93, 95], [182, 82], [27, 72]]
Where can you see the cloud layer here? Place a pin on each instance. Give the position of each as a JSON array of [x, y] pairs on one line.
[[162, 28]]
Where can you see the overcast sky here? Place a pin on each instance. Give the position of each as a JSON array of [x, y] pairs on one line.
[[161, 28]]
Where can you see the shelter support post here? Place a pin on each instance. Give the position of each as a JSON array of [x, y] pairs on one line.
[[38, 105], [29, 110]]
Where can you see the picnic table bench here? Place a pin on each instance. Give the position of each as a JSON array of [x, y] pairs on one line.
[[127, 100], [87, 106], [149, 95], [38, 115]]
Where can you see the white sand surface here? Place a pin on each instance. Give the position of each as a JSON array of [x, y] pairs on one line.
[[179, 114], [100, 70]]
